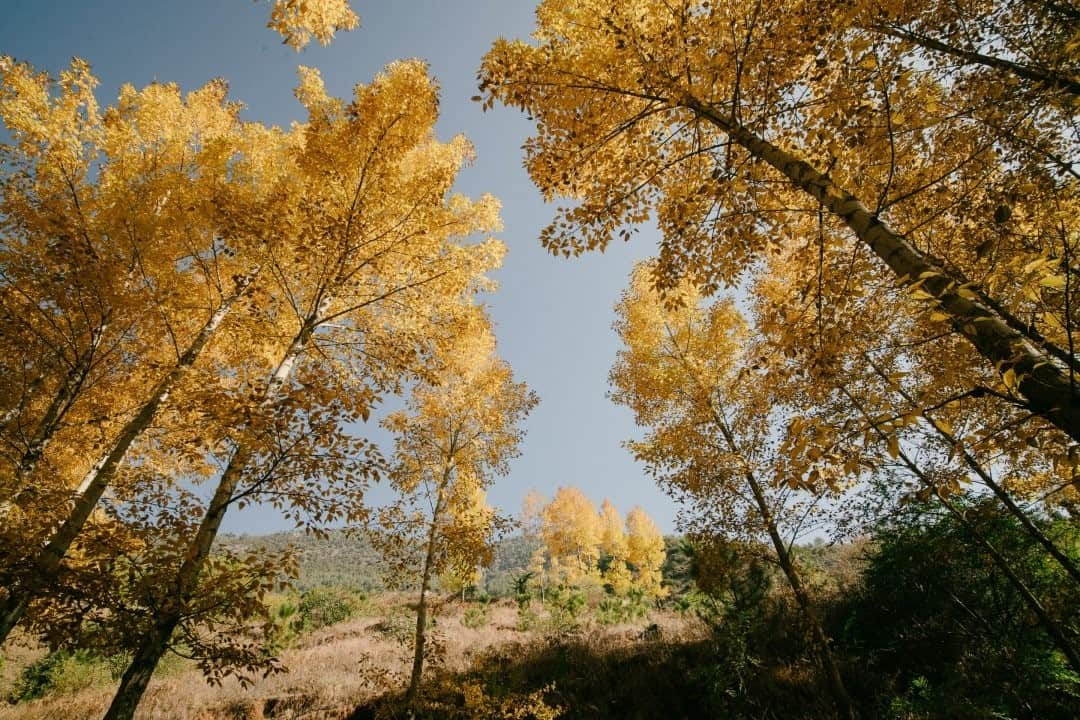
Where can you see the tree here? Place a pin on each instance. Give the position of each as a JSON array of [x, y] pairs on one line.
[[571, 532], [645, 553], [368, 268], [459, 430], [694, 113], [120, 308], [615, 549], [690, 377], [531, 522]]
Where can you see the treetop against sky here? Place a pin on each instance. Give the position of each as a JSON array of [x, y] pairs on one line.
[[552, 316]]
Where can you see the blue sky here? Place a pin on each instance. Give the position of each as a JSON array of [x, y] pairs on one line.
[[553, 315]]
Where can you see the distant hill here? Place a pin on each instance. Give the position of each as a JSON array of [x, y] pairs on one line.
[[348, 560]]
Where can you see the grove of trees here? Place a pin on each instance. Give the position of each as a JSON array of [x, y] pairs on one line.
[[859, 322], [884, 195]]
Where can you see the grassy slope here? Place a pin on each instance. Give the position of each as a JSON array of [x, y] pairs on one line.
[[348, 559]]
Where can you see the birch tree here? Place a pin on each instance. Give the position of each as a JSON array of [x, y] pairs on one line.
[[121, 305], [369, 261], [729, 121], [686, 372], [458, 432]]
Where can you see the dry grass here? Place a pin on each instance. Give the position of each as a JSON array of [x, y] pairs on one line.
[[331, 671]]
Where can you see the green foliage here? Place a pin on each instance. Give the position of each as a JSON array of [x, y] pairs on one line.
[[38, 678], [322, 607], [283, 616], [955, 636], [344, 559], [477, 614], [338, 559], [398, 624], [65, 672], [522, 588], [679, 565], [318, 607], [614, 609], [564, 604], [523, 597]]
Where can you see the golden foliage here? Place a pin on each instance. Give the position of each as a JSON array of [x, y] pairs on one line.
[[298, 21]]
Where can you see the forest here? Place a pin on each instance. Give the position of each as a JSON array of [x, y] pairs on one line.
[[850, 363]]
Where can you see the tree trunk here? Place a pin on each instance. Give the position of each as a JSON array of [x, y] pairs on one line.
[[418, 645], [425, 581], [154, 646], [26, 396], [787, 564], [156, 643], [828, 661], [137, 676], [54, 415], [1042, 76], [1040, 376], [46, 565]]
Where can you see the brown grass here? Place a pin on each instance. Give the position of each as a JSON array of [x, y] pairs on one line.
[[331, 671]]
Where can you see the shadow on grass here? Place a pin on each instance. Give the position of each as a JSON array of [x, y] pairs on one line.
[[578, 677]]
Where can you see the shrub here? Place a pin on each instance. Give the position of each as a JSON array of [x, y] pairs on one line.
[[477, 614], [399, 625], [615, 609], [564, 606], [63, 672], [957, 640], [322, 607], [38, 678]]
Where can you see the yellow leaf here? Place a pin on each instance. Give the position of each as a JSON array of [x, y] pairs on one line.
[[1056, 282], [966, 293], [894, 447]]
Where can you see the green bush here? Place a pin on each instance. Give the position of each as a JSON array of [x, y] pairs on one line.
[[399, 625], [63, 672], [955, 638], [564, 605], [283, 611], [38, 678], [477, 614], [324, 606], [615, 609]]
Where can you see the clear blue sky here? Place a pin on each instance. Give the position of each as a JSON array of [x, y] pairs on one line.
[[553, 315]]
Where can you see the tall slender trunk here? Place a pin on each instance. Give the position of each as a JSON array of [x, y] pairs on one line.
[[1052, 628], [26, 396], [425, 583], [46, 565], [156, 643], [1025, 521], [1043, 372], [787, 564]]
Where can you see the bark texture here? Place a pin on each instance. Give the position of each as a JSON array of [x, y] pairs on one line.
[[1042, 378], [45, 567]]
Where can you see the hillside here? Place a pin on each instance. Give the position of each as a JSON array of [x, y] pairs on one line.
[[348, 560]]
